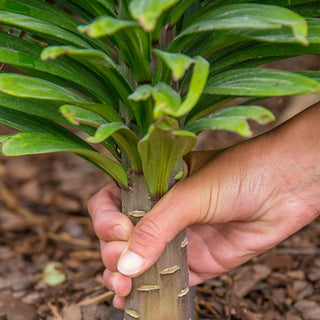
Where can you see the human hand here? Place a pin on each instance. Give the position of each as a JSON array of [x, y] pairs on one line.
[[240, 204]]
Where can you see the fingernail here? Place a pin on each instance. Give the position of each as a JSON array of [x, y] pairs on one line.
[[119, 233], [130, 263]]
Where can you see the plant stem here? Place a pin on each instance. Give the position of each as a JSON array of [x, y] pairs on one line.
[[162, 292]]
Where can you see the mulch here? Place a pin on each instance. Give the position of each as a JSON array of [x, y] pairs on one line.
[[43, 219]]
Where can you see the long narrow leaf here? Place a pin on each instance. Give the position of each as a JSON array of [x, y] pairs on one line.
[[257, 52], [98, 60], [41, 10], [233, 119], [147, 12], [244, 19], [164, 144], [260, 83], [253, 16], [37, 143], [124, 137], [133, 42], [43, 109], [40, 27], [28, 87], [25, 55]]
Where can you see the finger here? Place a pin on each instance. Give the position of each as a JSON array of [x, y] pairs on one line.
[[117, 283], [109, 223], [118, 302], [110, 253], [174, 212], [108, 197], [111, 226]]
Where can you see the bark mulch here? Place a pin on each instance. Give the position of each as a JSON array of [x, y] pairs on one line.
[[43, 219]]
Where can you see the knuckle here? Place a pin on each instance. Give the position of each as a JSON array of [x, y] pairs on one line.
[[91, 205], [99, 228], [146, 232]]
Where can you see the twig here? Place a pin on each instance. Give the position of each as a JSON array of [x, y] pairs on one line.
[[85, 255], [54, 311], [97, 300], [64, 237], [13, 204]]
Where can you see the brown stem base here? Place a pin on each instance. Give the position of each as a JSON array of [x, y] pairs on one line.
[[162, 292]]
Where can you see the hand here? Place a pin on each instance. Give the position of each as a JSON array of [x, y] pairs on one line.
[[242, 203]]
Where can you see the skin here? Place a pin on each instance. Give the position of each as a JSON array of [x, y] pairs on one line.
[[244, 202]]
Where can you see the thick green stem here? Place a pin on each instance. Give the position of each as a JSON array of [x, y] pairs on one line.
[[162, 292]]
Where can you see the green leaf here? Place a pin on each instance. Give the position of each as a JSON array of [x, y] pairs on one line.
[[23, 54], [247, 82], [41, 10], [282, 3], [134, 44], [77, 115], [28, 87], [86, 9], [52, 276], [47, 110], [180, 9], [147, 12], [37, 143], [176, 62], [124, 137], [249, 16], [257, 52], [106, 26], [76, 8], [160, 149], [108, 4], [311, 9], [93, 55], [196, 87], [284, 34], [233, 119], [30, 123], [206, 104], [310, 74], [221, 39], [98, 60], [166, 99], [23, 86], [41, 27], [43, 109]]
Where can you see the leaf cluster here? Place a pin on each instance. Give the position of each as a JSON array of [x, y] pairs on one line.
[[145, 77]]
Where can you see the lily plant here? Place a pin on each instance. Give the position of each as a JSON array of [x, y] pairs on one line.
[[141, 79]]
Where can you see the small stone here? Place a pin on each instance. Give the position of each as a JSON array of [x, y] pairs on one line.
[[312, 313], [290, 316], [17, 310], [72, 312], [296, 274], [314, 274], [305, 304]]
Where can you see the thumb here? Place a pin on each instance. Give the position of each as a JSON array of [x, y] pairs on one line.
[[185, 204]]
